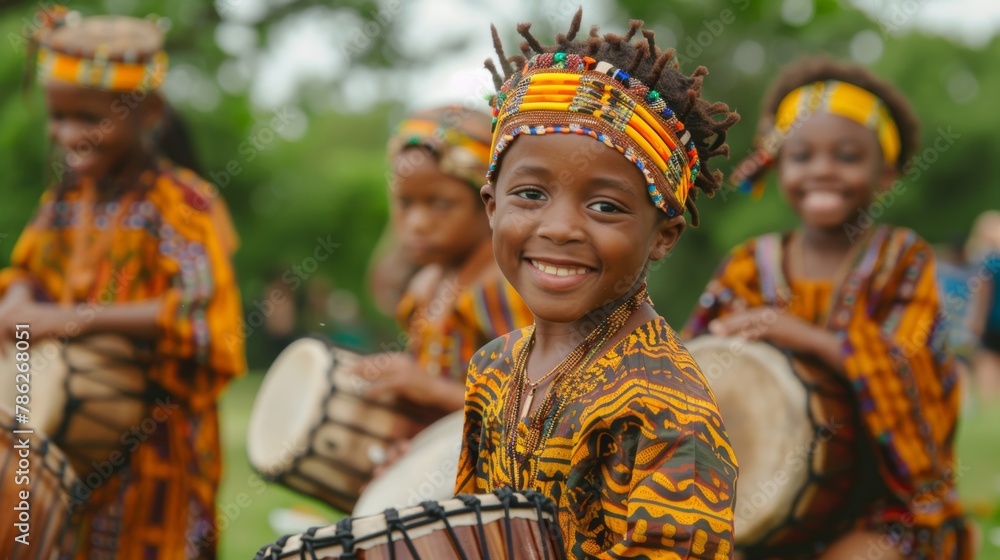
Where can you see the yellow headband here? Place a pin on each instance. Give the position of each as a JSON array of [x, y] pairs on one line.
[[101, 73], [560, 93], [460, 152], [834, 97]]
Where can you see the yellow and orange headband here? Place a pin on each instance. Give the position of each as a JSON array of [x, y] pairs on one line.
[[461, 153], [835, 97], [560, 93], [98, 67]]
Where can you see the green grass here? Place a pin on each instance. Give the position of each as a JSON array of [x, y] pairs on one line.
[[245, 501]]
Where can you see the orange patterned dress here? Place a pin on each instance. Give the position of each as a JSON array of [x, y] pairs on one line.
[[162, 244], [446, 324], [638, 461], [887, 316]]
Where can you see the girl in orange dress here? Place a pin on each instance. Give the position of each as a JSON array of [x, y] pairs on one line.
[[858, 296], [126, 243]]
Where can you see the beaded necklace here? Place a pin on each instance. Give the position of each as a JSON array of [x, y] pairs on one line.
[[517, 407]]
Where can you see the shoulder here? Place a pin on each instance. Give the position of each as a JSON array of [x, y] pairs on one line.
[[179, 189], [661, 371], [498, 353]]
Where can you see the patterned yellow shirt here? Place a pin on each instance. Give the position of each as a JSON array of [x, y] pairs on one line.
[[638, 461]]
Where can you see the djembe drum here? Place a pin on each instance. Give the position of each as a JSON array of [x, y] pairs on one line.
[[794, 429], [312, 429], [504, 525], [426, 472], [46, 511], [85, 395]]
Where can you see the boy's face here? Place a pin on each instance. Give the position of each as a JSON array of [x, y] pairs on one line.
[[439, 219], [97, 130], [573, 225], [829, 167]]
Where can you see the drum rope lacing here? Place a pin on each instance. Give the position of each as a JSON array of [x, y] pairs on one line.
[[433, 512]]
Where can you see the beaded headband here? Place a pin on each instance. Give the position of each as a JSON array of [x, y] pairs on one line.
[[110, 65], [572, 94], [460, 153], [831, 96]]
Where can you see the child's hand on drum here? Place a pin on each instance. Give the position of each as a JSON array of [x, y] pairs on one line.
[[782, 329], [398, 374]]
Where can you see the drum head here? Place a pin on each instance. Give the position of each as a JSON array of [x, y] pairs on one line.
[[426, 472], [430, 534], [288, 405], [764, 406], [47, 392]]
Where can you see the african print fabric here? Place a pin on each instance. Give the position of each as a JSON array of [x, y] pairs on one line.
[[638, 462]]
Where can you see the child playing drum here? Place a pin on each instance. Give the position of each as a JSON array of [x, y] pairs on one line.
[[458, 300], [125, 243], [598, 145], [859, 297]]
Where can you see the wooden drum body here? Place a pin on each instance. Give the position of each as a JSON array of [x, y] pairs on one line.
[[85, 395], [41, 470], [501, 526], [795, 431], [311, 429]]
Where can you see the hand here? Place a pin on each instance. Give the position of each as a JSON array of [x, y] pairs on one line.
[[13, 310], [765, 323], [399, 375]]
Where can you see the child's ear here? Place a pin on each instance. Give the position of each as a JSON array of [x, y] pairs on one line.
[[887, 177], [668, 231], [489, 198]]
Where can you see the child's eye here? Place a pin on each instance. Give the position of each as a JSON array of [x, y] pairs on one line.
[[799, 155], [441, 204], [605, 207], [849, 157], [530, 194]]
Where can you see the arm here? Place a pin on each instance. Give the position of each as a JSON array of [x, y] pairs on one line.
[[681, 501]]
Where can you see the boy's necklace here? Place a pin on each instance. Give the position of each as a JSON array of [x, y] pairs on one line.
[[518, 404]]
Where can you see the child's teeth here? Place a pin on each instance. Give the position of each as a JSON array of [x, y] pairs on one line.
[[556, 271]]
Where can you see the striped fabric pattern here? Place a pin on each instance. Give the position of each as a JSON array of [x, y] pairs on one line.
[[887, 314], [163, 504], [638, 463]]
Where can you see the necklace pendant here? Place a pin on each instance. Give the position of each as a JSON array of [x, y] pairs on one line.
[[526, 409]]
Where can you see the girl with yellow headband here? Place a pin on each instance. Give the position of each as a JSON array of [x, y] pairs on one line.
[[128, 243], [859, 297], [599, 147]]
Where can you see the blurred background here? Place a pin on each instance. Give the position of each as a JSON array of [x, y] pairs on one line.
[[290, 102]]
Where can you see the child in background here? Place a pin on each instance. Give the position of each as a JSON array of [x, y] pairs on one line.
[[598, 146], [861, 300], [458, 300], [129, 234]]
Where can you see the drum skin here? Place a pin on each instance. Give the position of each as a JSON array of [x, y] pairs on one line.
[[796, 432], [86, 395], [426, 472], [504, 525], [51, 486], [312, 430]]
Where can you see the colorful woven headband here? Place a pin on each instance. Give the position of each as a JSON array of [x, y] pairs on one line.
[[834, 97], [573, 94], [111, 65], [459, 154]]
